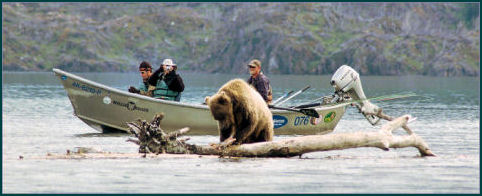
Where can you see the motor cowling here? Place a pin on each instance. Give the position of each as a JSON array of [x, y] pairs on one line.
[[347, 81]]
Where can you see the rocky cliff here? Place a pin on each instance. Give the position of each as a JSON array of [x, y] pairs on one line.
[[441, 39]]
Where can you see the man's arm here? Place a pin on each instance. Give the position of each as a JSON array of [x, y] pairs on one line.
[[149, 91], [263, 87], [180, 83], [175, 82], [155, 77]]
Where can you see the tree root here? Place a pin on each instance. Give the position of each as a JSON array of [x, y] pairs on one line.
[[152, 139]]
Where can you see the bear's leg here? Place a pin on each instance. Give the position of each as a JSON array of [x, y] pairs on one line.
[[263, 133], [226, 136], [246, 133], [254, 138], [258, 136], [268, 133], [226, 132]]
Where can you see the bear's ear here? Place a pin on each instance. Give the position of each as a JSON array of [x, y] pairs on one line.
[[206, 99]]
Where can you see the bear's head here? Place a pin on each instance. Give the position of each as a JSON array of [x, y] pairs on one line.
[[220, 105]]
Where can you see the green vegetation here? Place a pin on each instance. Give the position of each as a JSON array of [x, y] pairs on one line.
[[468, 13], [300, 38]]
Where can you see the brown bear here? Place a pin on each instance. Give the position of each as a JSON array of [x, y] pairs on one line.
[[241, 113]]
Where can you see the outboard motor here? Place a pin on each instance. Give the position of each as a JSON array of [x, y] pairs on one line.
[[346, 81]]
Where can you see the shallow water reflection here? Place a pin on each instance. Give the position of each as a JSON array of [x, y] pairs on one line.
[[38, 119]]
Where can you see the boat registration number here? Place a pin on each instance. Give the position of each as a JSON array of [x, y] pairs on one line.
[[301, 120]]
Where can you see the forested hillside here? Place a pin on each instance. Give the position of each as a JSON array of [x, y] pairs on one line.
[[440, 39]]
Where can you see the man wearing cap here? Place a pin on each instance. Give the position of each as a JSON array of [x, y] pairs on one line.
[[146, 71], [164, 83], [259, 81]]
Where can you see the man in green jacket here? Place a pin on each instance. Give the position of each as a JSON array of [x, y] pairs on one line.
[[165, 83]]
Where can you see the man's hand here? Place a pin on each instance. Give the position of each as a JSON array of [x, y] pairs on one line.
[[167, 69], [134, 90]]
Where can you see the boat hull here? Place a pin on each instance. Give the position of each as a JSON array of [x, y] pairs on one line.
[[108, 109]]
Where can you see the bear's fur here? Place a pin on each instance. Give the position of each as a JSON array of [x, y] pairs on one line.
[[241, 113]]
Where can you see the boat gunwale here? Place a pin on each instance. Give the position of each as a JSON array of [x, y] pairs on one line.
[[126, 93], [189, 105]]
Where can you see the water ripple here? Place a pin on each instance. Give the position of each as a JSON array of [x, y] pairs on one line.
[[37, 118]]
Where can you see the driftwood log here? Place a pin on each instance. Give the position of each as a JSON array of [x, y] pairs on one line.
[[152, 139]]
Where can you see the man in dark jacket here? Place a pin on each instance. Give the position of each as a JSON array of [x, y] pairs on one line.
[[165, 83], [259, 81]]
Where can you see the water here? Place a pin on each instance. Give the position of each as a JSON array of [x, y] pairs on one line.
[[38, 119]]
